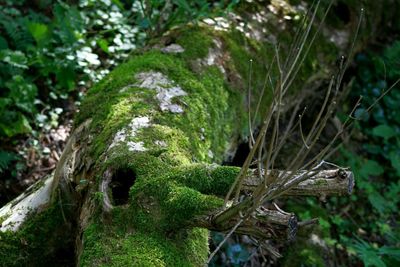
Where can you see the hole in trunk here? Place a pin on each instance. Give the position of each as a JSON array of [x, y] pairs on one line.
[[121, 182], [240, 155], [342, 11]]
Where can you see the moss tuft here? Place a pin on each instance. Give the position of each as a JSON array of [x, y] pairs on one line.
[[43, 239], [190, 248]]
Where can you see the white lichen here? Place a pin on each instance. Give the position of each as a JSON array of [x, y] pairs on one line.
[[218, 23], [173, 48], [165, 88], [136, 146], [160, 143], [130, 132]]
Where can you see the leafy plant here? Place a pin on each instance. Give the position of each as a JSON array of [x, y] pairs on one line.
[[366, 227], [6, 159], [376, 161]]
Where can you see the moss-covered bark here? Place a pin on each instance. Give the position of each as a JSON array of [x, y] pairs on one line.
[[132, 166]]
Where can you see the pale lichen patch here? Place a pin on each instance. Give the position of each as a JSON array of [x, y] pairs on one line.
[[165, 88], [160, 143], [210, 154], [136, 146], [214, 57], [173, 48], [122, 135], [218, 23]]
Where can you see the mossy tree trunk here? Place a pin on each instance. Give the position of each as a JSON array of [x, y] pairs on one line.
[[138, 183]]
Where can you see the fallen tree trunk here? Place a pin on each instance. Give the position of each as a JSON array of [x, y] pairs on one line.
[[135, 185]]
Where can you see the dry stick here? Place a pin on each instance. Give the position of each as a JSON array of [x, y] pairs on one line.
[[262, 133], [279, 104], [223, 241], [297, 161], [302, 44], [345, 127], [309, 46], [261, 147], [251, 143], [327, 147], [298, 36], [352, 45], [350, 119], [350, 115], [301, 38], [257, 195], [250, 157], [296, 165], [274, 192], [268, 178], [243, 170], [247, 162], [301, 62], [276, 107], [301, 129], [267, 77], [316, 121], [288, 130], [342, 70]]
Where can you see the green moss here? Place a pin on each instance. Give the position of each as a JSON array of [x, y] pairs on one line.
[[45, 239], [248, 68], [190, 248], [152, 229], [207, 104], [207, 179], [170, 190], [195, 40], [176, 203]]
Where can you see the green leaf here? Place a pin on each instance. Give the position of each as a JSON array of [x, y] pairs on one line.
[[118, 3], [371, 167], [390, 251], [39, 31], [5, 159], [368, 254], [14, 58], [378, 202], [13, 123], [395, 160], [66, 77], [103, 44], [22, 93], [384, 131], [3, 43]]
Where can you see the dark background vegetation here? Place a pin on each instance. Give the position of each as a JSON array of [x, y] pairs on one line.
[[51, 52]]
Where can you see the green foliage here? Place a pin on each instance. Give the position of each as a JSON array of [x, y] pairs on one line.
[[376, 164], [51, 52], [5, 159], [371, 255], [365, 226]]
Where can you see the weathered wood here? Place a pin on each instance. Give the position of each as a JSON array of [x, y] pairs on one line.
[[316, 183]]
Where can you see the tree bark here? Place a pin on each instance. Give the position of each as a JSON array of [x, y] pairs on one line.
[[138, 184]]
